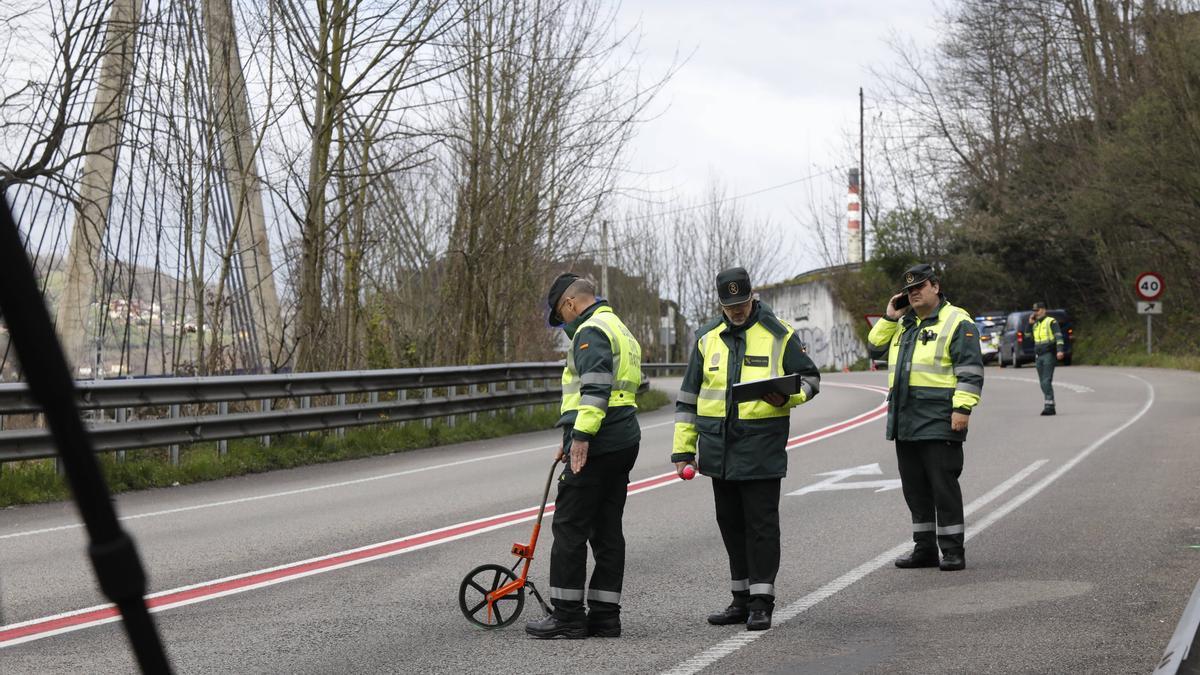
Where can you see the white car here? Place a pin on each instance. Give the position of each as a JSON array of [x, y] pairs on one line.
[[989, 338]]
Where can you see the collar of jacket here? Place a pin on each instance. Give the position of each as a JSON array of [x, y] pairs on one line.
[[763, 314], [910, 319], [570, 328]]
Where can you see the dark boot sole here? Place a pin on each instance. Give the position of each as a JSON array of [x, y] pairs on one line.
[[605, 633], [758, 626], [566, 634], [917, 565], [732, 621]]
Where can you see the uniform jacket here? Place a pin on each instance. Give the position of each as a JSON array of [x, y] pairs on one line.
[[593, 354], [917, 412], [733, 448]]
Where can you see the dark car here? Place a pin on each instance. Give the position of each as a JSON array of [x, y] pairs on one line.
[[1016, 342]]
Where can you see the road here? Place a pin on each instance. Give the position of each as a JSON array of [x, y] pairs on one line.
[[1083, 547]]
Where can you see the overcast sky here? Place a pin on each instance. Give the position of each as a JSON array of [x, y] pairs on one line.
[[767, 95]]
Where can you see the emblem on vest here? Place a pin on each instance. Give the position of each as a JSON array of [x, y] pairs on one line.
[[756, 361], [715, 363]]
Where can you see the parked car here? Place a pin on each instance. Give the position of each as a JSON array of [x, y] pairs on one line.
[[990, 326], [1016, 341]]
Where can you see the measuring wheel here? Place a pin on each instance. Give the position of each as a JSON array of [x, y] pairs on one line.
[[473, 597]]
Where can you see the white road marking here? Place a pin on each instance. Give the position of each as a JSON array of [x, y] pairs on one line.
[[835, 478], [1077, 388], [726, 647], [314, 488]]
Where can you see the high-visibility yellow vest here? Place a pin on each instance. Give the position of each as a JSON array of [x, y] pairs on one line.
[[931, 362], [1043, 331], [625, 378], [763, 359]]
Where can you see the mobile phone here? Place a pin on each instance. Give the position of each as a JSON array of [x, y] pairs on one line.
[[901, 302]]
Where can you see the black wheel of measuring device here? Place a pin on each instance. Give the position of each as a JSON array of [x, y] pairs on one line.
[[473, 592]]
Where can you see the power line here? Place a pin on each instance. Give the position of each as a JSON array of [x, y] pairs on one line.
[[797, 181]]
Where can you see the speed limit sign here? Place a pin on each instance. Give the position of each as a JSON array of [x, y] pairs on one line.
[[1148, 286]]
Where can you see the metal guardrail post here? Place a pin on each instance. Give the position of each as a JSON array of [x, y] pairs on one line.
[[340, 433], [265, 406], [492, 392], [222, 446], [451, 394], [173, 449], [428, 395], [122, 416]]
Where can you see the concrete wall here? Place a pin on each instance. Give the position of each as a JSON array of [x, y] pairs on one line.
[[819, 319]]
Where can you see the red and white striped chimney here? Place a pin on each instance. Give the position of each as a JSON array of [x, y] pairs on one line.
[[854, 221]]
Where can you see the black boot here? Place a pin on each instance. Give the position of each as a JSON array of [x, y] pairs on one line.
[[551, 627], [1048, 410], [729, 616], [918, 558], [953, 561], [604, 625], [760, 619]]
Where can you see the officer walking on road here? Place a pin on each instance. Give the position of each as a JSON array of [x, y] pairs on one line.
[[742, 446], [935, 378], [600, 439], [1048, 345]]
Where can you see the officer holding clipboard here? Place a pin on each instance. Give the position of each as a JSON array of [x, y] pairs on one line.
[[741, 444]]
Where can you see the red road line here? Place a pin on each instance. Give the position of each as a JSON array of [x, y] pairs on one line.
[[79, 619]]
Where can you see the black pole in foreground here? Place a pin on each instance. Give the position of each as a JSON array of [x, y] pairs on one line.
[[113, 554]]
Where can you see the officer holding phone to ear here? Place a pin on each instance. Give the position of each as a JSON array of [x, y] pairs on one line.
[[935, 378]]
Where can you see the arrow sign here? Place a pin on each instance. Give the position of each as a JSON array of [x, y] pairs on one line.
[[834, 482]]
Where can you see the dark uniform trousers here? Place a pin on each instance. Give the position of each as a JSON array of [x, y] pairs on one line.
[[748, 516], [588, 510], [929, 472], [1045, 370]]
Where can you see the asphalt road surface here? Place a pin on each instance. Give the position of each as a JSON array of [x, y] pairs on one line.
[[1083, 548]]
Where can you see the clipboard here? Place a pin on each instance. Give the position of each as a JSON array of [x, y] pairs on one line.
[[754, 389]]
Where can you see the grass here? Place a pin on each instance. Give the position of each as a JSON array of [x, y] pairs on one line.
[[36, 481], [1121, 341]]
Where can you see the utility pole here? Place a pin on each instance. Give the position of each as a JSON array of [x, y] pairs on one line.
[[604, 258], [862, 179]]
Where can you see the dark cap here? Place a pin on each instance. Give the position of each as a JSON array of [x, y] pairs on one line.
[[1039, 305], [917, 275], [733, 286], [557, 289]]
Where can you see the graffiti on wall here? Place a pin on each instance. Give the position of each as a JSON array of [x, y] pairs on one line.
[[831, 349]]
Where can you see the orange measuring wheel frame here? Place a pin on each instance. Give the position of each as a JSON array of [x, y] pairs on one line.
[[492, 595]]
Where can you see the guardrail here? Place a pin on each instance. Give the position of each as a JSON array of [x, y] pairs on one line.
[[420, 393]]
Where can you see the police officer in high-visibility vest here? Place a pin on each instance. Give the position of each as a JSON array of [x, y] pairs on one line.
[[1048, 345], [935, 378], [600, 443], [742, 446]]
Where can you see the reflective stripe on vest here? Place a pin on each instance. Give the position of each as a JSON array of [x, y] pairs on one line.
[[763, 359], [627, 366], [931, 364]]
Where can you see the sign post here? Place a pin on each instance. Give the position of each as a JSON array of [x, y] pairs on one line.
[[1149, 286]]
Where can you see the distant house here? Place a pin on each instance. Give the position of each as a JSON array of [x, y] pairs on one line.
[[825, 326]]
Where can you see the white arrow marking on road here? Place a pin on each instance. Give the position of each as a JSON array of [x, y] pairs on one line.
[[835, 478]]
